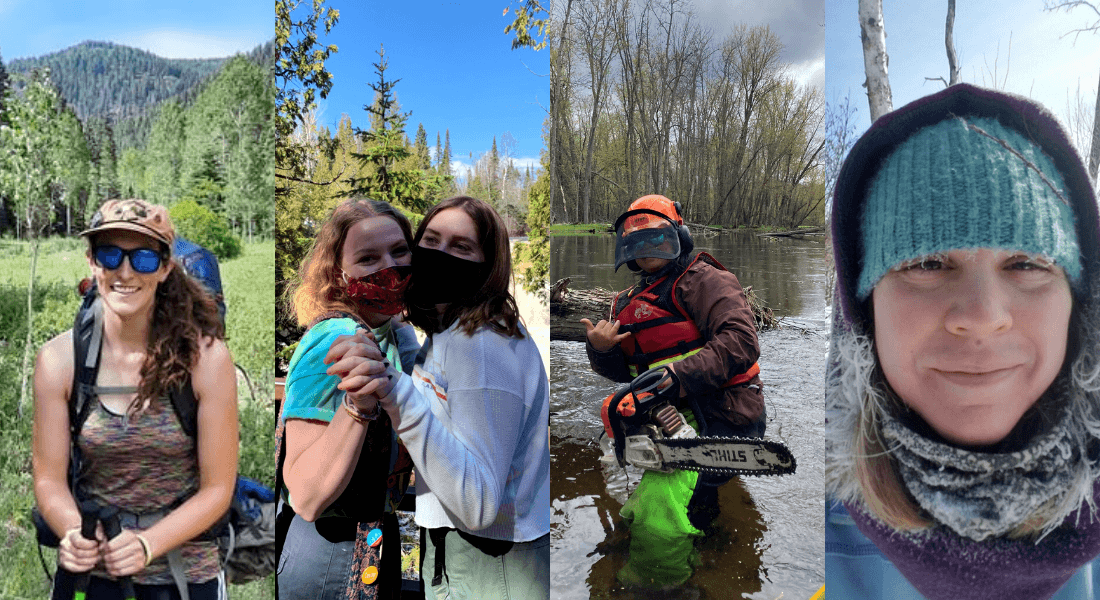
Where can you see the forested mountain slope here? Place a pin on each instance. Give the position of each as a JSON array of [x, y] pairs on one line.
[[124, 85]]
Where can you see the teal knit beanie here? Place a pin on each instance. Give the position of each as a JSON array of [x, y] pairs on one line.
[[953, 185]]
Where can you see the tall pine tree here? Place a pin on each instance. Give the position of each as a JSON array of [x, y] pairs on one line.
[[445, 162], [385, 146], [423, 156], [438, 154], [4, 85]]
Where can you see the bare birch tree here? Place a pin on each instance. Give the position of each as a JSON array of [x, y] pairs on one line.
[[875, 60], [1094, 27]]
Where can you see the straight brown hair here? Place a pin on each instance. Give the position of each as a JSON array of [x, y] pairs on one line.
[[493, 305]]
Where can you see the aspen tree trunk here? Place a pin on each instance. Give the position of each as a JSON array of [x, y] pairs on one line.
[[949, 41], [875, 61], [30, 326]]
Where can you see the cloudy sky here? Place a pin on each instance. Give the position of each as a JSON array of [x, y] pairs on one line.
[[800, 25], [1044, 64], [195, 29]]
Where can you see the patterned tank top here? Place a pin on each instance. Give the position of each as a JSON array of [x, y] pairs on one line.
[[143, 464]]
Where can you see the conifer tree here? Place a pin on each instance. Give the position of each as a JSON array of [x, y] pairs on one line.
[[494, 171], [4, 85], [445, 162], [438, 154], [385, 145], [423, 157]]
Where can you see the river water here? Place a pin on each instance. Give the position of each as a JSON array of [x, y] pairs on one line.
[[769, 540]]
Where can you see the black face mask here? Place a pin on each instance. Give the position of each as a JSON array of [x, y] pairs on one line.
[[439, 278]]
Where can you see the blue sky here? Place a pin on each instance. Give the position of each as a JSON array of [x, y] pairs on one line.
[[457, 72], [1043, 64], [196, 29]]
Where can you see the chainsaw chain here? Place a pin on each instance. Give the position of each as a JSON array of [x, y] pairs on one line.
[[774, 447]]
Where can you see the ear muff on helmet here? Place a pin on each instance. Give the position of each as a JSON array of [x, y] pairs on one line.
[[686, 243]]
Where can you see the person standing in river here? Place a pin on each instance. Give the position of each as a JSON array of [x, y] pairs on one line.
[[687, 313]]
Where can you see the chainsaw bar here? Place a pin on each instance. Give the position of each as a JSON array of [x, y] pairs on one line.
[[727, 455]]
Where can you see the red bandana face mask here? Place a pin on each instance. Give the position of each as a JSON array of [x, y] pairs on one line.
[[382, 291]]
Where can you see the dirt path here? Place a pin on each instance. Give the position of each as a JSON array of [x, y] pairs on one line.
[[535, 311]]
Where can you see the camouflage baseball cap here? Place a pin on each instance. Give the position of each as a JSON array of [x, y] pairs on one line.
[[133, 215]]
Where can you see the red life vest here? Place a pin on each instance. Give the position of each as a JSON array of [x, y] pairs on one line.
[[662, 331]]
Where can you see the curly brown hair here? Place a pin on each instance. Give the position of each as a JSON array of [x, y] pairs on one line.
[[493, 305], [184, 315], [314, 291]]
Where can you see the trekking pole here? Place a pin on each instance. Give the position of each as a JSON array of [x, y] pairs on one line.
[[112, 528], [88, 521]]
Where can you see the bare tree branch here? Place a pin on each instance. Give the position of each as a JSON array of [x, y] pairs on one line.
[[1017, 154], [1068, 5], [949, 41]]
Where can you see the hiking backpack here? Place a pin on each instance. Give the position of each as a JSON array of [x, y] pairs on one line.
[[246, 534]]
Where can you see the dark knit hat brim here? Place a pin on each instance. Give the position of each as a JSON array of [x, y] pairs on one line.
[[890, 130]]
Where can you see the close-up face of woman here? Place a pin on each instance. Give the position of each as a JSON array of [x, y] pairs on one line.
[[970, 339], [373, 244], [128, 267], [453, 231]]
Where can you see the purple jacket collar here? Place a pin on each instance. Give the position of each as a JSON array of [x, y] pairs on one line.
[[943, 565]]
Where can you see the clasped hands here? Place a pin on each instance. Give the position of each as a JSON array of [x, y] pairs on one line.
[[121, 555], [365, 374]]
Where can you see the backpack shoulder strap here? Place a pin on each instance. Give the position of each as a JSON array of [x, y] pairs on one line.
[[187, 408], [87, 341]]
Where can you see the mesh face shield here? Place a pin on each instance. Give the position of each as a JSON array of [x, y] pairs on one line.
[[645, 233]]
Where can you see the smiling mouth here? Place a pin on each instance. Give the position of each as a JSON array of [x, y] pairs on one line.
[[977, 378], [123, 289]]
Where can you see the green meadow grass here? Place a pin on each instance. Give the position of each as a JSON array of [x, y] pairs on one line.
[[249, 286]]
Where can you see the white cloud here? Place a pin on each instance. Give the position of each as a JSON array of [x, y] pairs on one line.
[[810, 72], [522, 163], [460, 168], [177, 43]]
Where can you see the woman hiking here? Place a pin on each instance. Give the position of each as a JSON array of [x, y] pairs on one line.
[[161, 333]]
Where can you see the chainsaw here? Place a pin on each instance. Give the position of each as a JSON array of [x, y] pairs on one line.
[[644, 428]]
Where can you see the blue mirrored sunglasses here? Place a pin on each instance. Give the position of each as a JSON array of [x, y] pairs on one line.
[[142, 260]]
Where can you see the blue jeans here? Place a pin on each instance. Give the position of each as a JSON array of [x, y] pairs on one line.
[[312, 567]]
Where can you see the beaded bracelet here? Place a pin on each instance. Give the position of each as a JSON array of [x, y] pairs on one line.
[[361, 417]]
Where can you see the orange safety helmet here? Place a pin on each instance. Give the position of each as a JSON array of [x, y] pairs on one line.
[[651, 228]]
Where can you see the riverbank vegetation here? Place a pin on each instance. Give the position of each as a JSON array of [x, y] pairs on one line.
[[645, 99]]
